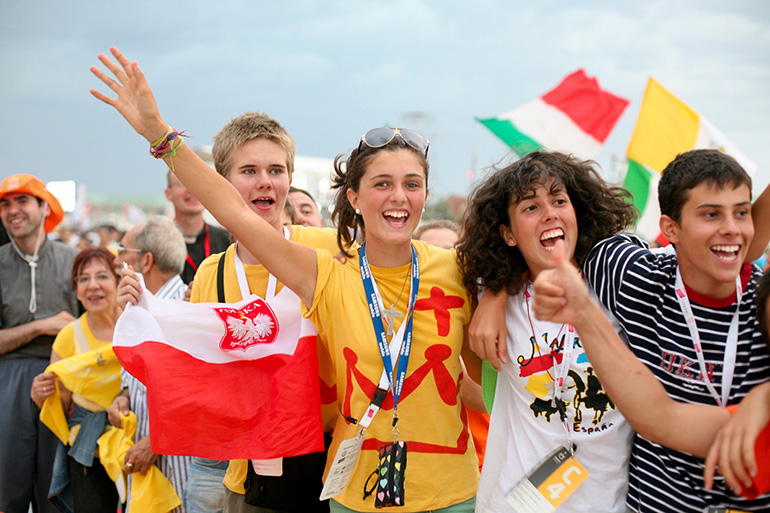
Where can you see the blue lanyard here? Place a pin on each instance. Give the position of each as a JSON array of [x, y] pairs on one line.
[[375, 309]]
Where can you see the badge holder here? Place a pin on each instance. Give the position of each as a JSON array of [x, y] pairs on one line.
[[544, 489], [389, 474], [344, 463]]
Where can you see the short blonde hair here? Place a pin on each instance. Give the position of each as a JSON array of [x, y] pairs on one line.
[[244, 128]]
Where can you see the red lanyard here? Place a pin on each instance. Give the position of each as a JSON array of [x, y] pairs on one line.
[[206, 250]]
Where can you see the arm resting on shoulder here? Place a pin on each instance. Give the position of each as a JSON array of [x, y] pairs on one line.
[[760, 213]]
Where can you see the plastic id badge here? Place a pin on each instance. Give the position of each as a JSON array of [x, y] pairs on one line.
[[272, 467], [341, 471], [544, 489]]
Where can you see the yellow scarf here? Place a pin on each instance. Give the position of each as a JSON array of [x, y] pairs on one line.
[[93, 378], [151, 492]]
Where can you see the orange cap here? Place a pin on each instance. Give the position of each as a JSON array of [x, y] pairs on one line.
[[28, 184]]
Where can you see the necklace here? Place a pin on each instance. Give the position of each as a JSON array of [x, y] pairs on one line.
[[391, 313]]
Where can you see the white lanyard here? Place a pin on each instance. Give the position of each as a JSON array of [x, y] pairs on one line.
[[396, 342], [731, 346], [384, 384], [559, 370], [243, 283]]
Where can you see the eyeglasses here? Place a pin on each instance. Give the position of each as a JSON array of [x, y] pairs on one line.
[[82, 279], [379, 137], [122, 250]]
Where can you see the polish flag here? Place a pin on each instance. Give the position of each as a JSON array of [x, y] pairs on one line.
[[224, 381]]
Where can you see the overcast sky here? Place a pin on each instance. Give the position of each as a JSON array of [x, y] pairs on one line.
[[330, 70]]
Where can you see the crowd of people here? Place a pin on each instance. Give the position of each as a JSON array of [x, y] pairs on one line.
[[535, 356]]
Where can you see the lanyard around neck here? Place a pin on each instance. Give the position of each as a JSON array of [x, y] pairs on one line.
[[559, 370], [206, 249], [731, 346], [403, 338], [240, 273]]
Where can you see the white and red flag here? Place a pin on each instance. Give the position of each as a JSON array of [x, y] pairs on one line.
[[574, 117], [224, 381]]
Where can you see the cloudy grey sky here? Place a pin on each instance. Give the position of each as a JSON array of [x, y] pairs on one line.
[[331, 70]]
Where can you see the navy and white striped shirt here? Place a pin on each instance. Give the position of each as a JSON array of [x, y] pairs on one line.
[[638, 286], [175, 468]]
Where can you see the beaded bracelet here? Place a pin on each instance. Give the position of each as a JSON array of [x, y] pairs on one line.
[[164, 147]]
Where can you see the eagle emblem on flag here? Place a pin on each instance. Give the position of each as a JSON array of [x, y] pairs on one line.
[[253, 323]]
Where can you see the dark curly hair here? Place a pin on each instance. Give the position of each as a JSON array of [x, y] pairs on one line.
[[601, 211], [347, 175]]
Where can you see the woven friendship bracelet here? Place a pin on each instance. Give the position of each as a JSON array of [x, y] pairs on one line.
[[164, 147]]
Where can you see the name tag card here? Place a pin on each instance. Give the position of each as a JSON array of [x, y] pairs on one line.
[[544, 489], [341, 471], [273, 467]]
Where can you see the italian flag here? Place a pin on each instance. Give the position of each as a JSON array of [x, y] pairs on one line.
[[575, 117], [666, 127]]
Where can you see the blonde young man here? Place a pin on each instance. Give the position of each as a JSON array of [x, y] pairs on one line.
[[256, 154]]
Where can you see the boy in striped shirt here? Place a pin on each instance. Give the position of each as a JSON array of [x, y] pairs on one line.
[[689, 315]]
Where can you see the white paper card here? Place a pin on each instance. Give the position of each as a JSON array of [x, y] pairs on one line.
[[272, 467], [341, 471]]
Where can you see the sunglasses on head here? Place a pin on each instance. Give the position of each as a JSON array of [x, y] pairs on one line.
[[379, 137]]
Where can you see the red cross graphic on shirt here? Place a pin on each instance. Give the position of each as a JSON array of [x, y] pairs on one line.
[[440, 303], [435, 357]]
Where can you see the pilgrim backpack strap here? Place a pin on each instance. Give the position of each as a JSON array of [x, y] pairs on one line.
[[221, 279]]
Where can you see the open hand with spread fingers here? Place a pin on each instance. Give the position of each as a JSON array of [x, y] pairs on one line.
[[134, 101]]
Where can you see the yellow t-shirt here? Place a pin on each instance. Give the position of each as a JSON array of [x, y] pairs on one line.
[[64, 343], [442, 468], [205, 290]]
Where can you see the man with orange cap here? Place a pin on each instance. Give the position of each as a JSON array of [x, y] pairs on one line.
[[36, 301]]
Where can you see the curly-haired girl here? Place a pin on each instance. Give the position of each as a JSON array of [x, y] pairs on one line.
[[547, 393]]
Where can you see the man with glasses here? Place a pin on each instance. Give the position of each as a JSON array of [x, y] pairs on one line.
[[305, 208], [156, 250], [36, 301]]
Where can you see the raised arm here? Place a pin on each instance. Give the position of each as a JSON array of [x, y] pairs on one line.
[[293, 264], [760, 214], [561, 296]]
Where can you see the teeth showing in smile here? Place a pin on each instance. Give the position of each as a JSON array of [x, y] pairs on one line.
[[397, 216], [732, 248], [726, 252], [547, 238]]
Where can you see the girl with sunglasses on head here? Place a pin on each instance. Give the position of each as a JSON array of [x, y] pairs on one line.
[[393, 315], [514, 218]]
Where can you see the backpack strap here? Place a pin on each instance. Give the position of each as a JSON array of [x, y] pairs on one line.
[[221, 278]]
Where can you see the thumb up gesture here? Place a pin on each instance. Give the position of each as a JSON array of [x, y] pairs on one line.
[[560, 295]]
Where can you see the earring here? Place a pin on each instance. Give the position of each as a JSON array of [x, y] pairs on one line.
[[423, 209], [358, 211]]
